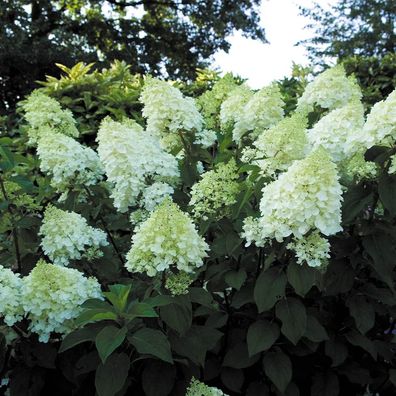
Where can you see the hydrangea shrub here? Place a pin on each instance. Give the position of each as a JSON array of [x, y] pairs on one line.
[[202, 240]]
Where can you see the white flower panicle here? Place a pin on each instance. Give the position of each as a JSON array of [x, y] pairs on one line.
[[313, 249], [167, 238], [333, 130], [252, 232], [233, 105], [380, 126], [330, 90], [205, 138], [215, 192], [45, 114], [306, 197], [356, 168], [197, 388], [52, 298], [154, 194], [392, 167], [68, 162], [11, 309], [262, 111], [282, 144], [210, 101], [67, 236], [167, 110], [132, 157]]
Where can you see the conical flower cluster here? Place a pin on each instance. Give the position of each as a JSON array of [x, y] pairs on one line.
[[66, 236], [167, 238], [306, 197], [133, 159]]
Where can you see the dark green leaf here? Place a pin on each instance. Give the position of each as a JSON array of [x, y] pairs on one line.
[[355, 200], [77, 337], [236, 278], [337, 351], [140, 310], [387, 192], [195, 344], [152, 342], [315, 331], [381, 247], [238, 357], [325, 384], [178, 317], [111, 376], [293, 315], [362, 312], [232, 378], [108, 339], [158, 378], [301, 277], [261, 336], [269, 288], [363, 342], [278, 368]]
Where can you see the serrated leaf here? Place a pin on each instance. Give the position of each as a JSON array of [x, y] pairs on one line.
[[293, 315], [111, 376], [152, 342], [108, 340], [261, 336], [178, 317], [269, 288], [278, 368]]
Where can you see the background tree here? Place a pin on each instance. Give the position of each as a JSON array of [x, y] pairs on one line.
[[351, 27], [167, 37]]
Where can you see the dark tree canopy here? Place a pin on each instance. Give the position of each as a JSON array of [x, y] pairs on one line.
[[162, 37], [351, 27]]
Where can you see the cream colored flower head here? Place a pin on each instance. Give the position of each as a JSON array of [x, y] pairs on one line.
[[44, 113], [168, 238], [67, 236], [331, 89], [52, 298]]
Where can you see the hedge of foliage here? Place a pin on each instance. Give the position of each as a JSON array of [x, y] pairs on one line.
[[157, 244]]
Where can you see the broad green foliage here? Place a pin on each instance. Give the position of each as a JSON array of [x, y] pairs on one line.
[[198, 240]]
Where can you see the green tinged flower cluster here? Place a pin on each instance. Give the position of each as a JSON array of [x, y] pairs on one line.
[[380, 126], [209, 103], [133, 160], [68, 162], [178, 283], [168, 238], [263, 110], [168, 111], [312, 249], [305, 198], [10, 296], [233, 105], [215, 192], [331, 89], [356, 168], [282, 144], [198, 388], [67, 236], [51, 297], [45, 114], [334, 130]]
